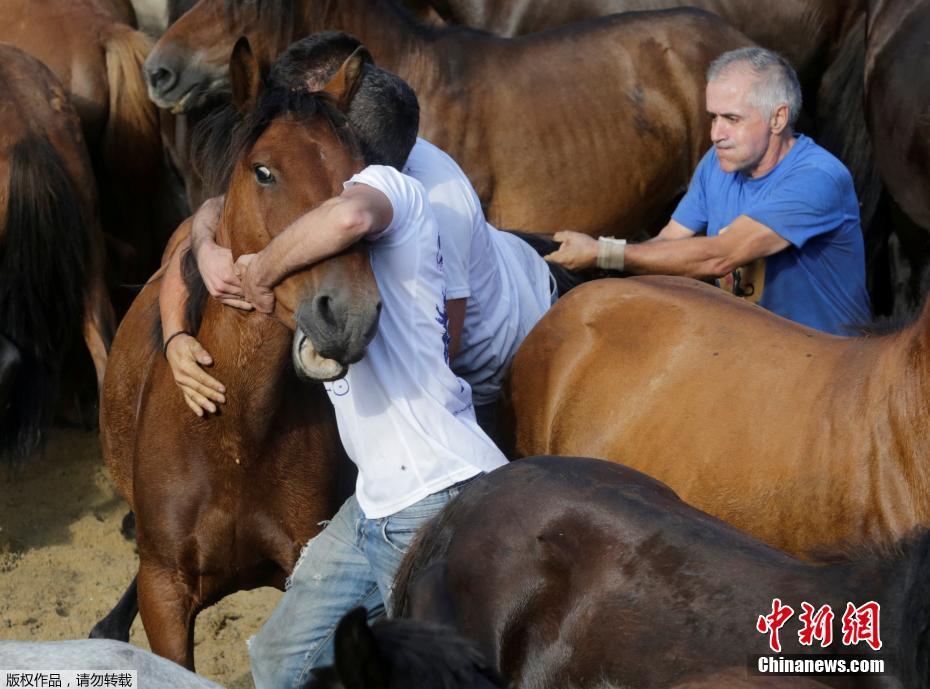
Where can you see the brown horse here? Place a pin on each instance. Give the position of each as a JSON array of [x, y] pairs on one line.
[[804, 31], [582, 573], [98, 58], [224, 503], [800, 438], [51, 251], [596, 127]]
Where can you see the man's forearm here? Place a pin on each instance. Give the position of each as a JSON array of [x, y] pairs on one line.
[[696, 257], [205, 223], [321, 233], [172, 295]]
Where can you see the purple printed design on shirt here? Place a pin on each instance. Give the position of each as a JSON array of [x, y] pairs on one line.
[[443, 320]]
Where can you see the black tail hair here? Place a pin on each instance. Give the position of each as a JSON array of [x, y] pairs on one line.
[[42, 287], [565, 279]]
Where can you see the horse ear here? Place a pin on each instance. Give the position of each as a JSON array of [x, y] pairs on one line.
[[244, 74], [357, 658], [348, 78]]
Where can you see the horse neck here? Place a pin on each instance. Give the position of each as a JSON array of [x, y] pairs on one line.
[[398, 42], [252, 355], [896, 396]]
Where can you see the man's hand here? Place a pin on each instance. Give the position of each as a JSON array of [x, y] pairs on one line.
[[259, 296], [213, 261], [218, 272], [577, 251], [201, 391]]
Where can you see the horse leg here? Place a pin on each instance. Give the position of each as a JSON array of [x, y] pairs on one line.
[[168, 613], [119, 620], [99, 320]]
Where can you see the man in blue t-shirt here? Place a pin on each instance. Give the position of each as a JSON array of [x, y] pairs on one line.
[[779, 212]]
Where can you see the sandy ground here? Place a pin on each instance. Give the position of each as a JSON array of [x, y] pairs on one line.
[[64, 563]]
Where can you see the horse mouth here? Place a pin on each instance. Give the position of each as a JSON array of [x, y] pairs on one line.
[[311, 365], [198, 94]]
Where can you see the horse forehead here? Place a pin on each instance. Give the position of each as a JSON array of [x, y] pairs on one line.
[[290, 142]]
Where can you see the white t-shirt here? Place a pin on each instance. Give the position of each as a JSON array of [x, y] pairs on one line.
[[504, 279], [405, 419]]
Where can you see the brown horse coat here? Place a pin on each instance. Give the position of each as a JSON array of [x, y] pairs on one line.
[[804, 31], [98, 59], [800, 438], [596, 127]]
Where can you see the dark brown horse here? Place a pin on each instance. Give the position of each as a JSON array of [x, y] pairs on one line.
[[897, 86], [98, 59], [596, 127], [800, 438], [582, 573], [897, 92], [225, 503], [52, 288]]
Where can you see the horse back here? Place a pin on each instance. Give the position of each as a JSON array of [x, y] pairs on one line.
[[616, 79], [703, 391]]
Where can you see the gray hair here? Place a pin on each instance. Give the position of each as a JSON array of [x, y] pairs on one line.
[[776, 81]]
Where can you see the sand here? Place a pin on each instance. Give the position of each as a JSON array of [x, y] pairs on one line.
[[64, 563]]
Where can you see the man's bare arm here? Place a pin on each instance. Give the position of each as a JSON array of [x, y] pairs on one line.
[[579, 251], [185, 355], [322, 232], [742, 242]]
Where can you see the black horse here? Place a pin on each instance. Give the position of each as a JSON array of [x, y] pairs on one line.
[[401, 654], [583, 573]]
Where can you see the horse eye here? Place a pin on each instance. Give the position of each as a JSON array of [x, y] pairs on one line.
[[263, 175]]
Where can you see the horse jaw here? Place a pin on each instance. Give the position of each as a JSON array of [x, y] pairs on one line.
[[310, 365]]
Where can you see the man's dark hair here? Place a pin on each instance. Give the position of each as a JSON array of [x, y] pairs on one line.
[[384, 113]]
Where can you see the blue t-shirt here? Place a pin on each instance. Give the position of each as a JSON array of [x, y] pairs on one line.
[[809, 200]]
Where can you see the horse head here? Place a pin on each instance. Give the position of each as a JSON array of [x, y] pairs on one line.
[[295, 151], [190, 63]]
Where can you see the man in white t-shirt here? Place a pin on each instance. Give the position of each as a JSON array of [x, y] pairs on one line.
[[405, 419], [497, 286]]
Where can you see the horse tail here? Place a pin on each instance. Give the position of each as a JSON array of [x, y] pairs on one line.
[[42, 289], [841, 114], [133, 157], [565, 279]]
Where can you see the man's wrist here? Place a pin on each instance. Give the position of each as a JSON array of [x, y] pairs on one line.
[[611, 253]]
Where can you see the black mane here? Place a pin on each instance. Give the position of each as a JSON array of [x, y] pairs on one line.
[[223, 136]]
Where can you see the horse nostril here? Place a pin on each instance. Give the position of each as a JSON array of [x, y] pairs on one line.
[[322, 306], [161, 78]]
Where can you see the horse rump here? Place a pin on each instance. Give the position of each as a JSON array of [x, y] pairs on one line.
[[44, 254]]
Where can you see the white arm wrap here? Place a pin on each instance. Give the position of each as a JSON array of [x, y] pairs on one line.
[[610, 253]]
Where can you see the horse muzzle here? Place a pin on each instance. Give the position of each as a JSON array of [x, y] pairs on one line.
[[179, 81], [331, 334]]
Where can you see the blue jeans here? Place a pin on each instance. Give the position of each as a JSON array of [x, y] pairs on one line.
[[351, 562]]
